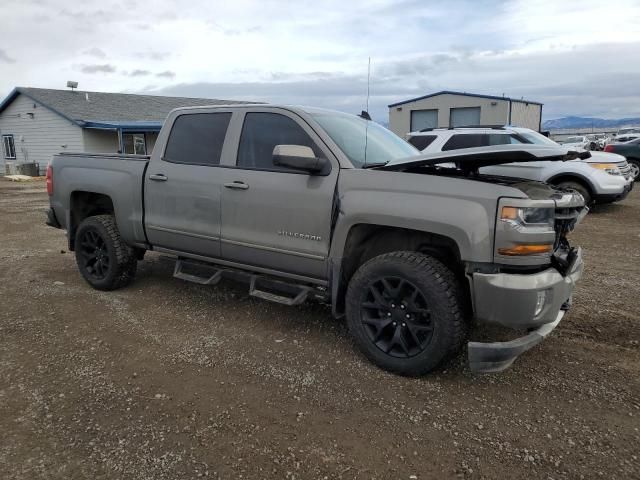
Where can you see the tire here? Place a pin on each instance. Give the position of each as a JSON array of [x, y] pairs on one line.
[[397, 329], [580, 188], [635, 168], [104, 260]]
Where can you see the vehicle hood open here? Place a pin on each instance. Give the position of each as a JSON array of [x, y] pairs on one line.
[[471, 159]]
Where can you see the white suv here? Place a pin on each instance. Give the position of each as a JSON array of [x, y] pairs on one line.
[[601, 178]]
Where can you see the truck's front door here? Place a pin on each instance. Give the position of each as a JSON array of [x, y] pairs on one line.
[[273, 217], [183, 185]]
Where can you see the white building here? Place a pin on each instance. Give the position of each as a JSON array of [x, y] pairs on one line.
[[455, 109], [36, 123]]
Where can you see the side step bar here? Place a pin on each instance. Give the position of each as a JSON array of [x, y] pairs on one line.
[[281, 292], [179, 272], [260, 286]]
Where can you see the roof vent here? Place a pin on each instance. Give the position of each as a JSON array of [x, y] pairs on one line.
[[71, 84]]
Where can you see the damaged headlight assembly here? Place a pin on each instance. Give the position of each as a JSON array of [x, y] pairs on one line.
[[525, 231]]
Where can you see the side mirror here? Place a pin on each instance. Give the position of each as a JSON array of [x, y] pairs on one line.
[[298, 157]]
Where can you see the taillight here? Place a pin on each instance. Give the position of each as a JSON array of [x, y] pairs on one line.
[[608, 148], [50, 180]]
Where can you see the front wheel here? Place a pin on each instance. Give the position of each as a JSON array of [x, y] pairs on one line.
[[405, 312], [104, 260], [635, 169]]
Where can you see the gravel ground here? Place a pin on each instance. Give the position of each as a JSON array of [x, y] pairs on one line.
[[166, 379]]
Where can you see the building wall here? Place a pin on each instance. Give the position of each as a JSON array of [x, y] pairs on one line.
[[37, 139], [400, 120], [526, 115], [492, 112], [100, 141]]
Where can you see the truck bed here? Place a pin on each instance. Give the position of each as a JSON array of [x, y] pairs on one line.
[[119, 177]]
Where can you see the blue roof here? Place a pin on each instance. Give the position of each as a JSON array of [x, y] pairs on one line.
[[464, 94], [124, 125]]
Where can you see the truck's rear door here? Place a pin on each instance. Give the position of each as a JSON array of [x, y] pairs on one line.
[[183, 184], [273, 217]]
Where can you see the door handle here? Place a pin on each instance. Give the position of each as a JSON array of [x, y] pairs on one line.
[[158, 177], [237, 185]]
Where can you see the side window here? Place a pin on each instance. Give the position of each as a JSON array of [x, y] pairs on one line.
[[197, 138], [8, 147], [504, 139], [471, 140], [422, 141], [261, 132]]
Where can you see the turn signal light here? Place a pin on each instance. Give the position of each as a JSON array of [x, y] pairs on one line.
[[526, 250], [608, 148], [50, 180]]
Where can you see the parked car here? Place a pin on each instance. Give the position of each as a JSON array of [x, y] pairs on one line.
[[631, 151], [311, 203], [576, 142], [599, 177]]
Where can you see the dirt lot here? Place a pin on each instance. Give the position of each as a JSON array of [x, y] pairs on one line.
[[166, 379]]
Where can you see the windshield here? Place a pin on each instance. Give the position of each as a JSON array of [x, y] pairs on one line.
[[537, 138], [352, 134]]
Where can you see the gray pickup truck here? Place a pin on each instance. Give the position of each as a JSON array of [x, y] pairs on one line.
[[317, 204]]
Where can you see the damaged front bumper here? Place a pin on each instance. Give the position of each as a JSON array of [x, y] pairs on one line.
[[536, 302]]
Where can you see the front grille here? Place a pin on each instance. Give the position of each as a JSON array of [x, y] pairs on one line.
[[625, 169], [570, 210]]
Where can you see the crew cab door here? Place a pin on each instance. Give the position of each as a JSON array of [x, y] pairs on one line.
[[183, 184], [273, 217]]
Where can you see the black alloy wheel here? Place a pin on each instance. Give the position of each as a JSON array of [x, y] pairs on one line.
[[396, 316], [94, 254]]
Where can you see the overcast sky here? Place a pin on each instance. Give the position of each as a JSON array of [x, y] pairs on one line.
[[577, 57]]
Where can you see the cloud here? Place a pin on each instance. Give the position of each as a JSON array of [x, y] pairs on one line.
[[91, 69], [95, 52], [139, 73], [166, 74], [5, 58], [153, 55]]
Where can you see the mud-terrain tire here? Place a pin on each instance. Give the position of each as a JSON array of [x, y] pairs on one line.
[[104, 260], [405, 311]]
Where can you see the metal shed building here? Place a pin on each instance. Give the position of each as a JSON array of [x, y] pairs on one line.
[[455, 109]]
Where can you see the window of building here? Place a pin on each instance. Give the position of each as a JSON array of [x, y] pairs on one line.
[[134, 143], [422, 141], [421, 119], [261, 132], [8, 147], [197, 138], [464, 116]]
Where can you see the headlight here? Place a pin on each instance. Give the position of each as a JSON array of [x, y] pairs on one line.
[[610, 168], [528, 216]]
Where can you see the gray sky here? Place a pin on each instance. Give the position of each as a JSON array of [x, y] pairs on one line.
[[577, 57]]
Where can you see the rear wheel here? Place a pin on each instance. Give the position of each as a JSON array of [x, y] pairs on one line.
[[404, 310], [580, 188], [104, 260]]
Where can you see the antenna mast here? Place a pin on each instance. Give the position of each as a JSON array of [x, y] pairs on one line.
[[368, 82]]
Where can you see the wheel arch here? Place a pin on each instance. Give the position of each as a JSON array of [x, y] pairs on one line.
[[83, 204], [368, 240], [573, 177]]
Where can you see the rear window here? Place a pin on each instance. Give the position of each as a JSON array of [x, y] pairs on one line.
[[197, 139], [422, 141]]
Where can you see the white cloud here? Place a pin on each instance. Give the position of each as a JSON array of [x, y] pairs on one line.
[[567, 54]]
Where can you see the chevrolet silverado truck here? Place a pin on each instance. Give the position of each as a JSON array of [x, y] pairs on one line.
[[315, 204]]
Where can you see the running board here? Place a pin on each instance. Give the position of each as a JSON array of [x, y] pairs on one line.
[[179, 272], [280, 292]]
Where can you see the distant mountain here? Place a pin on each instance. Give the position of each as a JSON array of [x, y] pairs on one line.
[[588, 122]]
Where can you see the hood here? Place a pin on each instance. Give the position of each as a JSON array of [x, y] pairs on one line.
[[471, 159], [605, 157]]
